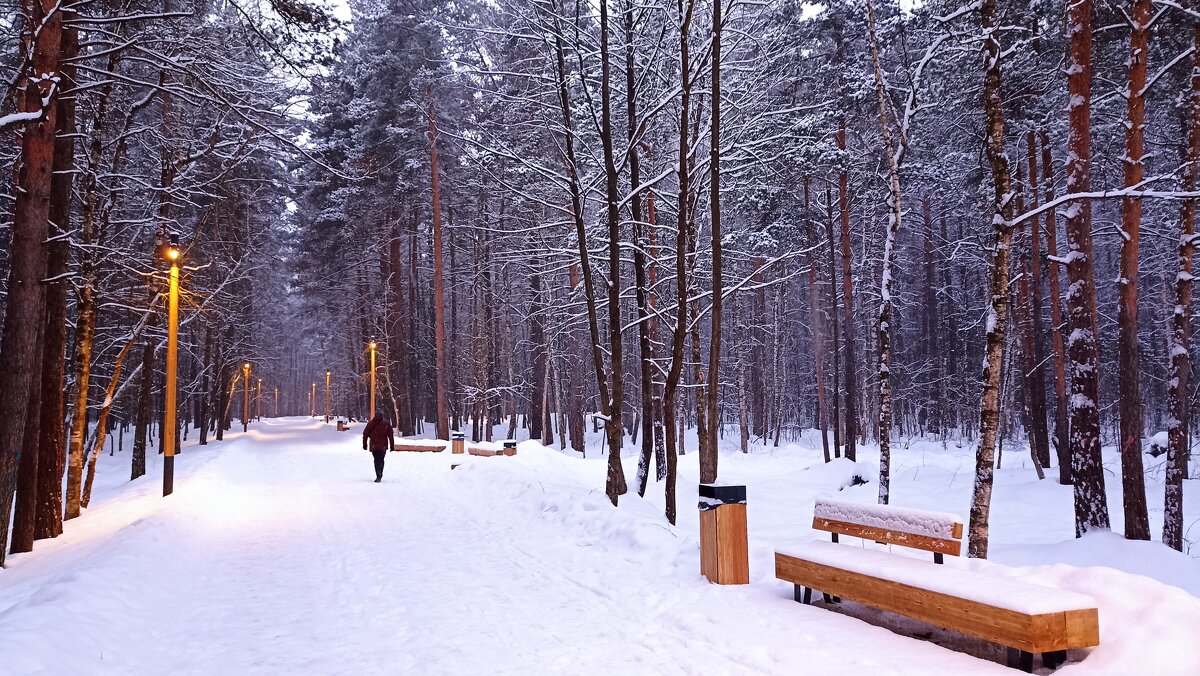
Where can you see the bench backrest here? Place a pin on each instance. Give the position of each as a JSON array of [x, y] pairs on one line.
[[935, 532]]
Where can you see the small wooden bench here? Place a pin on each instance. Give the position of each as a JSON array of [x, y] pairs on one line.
[[418, 448], [509, 448], [1024, 618]]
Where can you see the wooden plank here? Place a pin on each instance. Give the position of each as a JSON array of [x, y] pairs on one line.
[[708, 545], [418, 448], [893, 537], [1033, 633], [733, 560]]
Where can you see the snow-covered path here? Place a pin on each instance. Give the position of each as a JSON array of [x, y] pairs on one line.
[[278, 554]]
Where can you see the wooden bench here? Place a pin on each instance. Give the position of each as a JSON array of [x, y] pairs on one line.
[[509, 448], [418, 448], [1024, 618]]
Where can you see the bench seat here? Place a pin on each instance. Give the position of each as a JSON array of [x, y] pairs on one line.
[[1020, 615], [419, 448]]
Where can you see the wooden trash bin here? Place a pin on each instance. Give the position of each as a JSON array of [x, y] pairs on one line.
[[341, 426], [458, 442], [724, 552]]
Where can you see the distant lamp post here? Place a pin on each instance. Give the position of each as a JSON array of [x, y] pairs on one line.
[[328, 375], [312, 399], [373, 346], [246, 397], [258, 405], [172, 253], [276, 402]]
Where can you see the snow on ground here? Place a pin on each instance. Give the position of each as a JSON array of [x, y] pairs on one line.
[[277, 554]]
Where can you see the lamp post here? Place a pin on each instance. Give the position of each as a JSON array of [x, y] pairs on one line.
[[373, 346], [172, 254], [276, 402], [312, 399], [258, 405], [328, 374], [246, 397]]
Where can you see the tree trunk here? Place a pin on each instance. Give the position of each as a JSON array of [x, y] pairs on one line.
[[612, 401], [685, 9], [885, 282], [1061, 427], [708, 469], [145, 398], [849, 374], [52, 447], [989, 414], [20, 349], [439, 304], [818, 335], [1091, 507], [641, 290], [1137, 524], [1181, 329]]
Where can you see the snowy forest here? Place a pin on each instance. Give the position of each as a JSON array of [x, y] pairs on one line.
[[664, 227]]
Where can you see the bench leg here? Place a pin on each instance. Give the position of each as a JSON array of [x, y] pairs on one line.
[[1055, 659], [802, 594], [1020, 659], [826, 598]]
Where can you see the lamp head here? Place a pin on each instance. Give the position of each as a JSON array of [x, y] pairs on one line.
[[246, 366], [171, 251]]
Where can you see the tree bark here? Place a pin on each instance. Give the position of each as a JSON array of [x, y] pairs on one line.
[[20, 350], [684, 9], [1181, 329], [708, 466], [1061, 426], [1091, 507], [849, 374], [885, 283], [1129, 389], [439, 293], [989, 415], [612, 402]]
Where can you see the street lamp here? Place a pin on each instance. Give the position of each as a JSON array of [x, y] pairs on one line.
[[246, 397], [373, 346], [312, 398], [258, 405], [328, 374], [173, 254], [276, 402]]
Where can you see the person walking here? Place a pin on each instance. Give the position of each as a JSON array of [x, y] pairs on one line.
[[378, 438]]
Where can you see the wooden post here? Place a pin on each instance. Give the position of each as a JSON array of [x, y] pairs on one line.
[[724, 553], [172, 364], [458, 442]]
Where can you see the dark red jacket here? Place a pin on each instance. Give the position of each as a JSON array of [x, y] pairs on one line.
[[378, 433]]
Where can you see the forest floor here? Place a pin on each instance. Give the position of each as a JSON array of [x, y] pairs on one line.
[[277, 554]]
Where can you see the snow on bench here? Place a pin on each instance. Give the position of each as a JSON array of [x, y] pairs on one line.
[[940, 525], [936, 532]]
